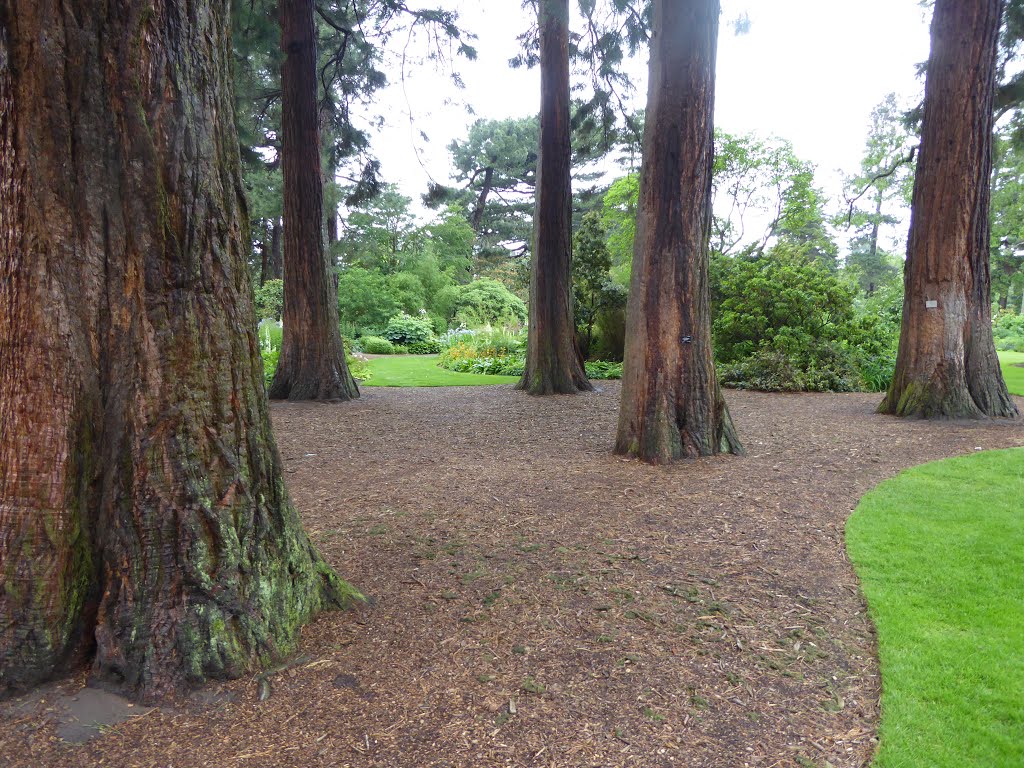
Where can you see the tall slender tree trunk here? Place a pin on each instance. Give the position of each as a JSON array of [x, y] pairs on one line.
[[312, 364], [143, 516], [264, 251], [553, 361], [276, 251], [947, 365], [671, 405]]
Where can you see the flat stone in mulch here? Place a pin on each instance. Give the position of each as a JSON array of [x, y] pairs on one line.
[[538, 601]]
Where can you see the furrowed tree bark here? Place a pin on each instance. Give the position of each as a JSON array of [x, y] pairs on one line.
[[312, 364], [143, 515], [553, 360], [947, 365], [672, 406]]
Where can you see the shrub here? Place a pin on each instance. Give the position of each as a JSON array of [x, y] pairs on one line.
[[823, 369], [269, 300], [1008, 331], [405, 329], [358, 368], [784, 322], [479, 303], [603, 369], [428, 347], [375, 345]]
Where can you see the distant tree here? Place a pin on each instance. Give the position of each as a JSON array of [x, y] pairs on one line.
[[312, 363], [671, 404], [143, 514], [763, 192], [365, 300], [380, 233], [883, 185], [495, 170], [947, 365], [553, 360]]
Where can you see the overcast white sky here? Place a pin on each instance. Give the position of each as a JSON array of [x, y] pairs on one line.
[[809, 71]]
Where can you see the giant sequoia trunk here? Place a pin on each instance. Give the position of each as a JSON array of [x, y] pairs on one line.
[[553, 361], [672, 406], [947, 365], [312, 364], [143, 517]]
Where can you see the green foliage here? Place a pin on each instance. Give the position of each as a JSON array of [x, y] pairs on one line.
[[941, 570], [504, 365], [270, 358], [481, 302], [618, 217], [381, 233], [602, 369], [595, 294], [784, 322], [359, 368], [408, 290], [763, 180], [1008, 331], [365, 300], [269, 299], [429, 346], [1007, 212], [375, 345], [405, 330], [495, 169]]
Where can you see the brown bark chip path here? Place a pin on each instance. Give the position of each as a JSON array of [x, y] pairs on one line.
[[700, 614]]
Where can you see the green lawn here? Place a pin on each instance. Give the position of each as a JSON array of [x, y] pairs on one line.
[[423, 371], [940, 553], [1012, 372]]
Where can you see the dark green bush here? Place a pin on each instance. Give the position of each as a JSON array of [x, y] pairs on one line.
[[428, 347], [375, 345], [405, 329], [784, 322]]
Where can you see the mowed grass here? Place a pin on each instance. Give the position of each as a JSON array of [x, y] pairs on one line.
[[1013, 373], [423, 371], [940, 553]]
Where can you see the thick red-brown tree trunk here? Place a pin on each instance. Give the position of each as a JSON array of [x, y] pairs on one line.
[[672, 406], [947, 365], [553, 361], [143, 517], [312, 364]]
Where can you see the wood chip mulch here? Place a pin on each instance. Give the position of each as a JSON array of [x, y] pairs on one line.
[[537, 601]]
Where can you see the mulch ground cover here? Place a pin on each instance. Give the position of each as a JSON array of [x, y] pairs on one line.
[[536, 601]]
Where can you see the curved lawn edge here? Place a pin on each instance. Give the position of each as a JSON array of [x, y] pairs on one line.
[[939, 550]]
